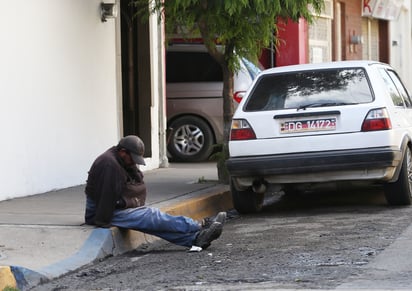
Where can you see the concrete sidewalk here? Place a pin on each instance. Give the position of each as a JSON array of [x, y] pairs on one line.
[[43, 236]]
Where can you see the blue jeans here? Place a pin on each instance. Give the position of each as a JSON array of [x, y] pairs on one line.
[[180, 230]]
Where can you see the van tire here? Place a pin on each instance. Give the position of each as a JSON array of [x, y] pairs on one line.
[[191, 139], [400, 192]]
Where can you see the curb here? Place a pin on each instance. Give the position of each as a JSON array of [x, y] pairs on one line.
[[104, 242], [7, 278]]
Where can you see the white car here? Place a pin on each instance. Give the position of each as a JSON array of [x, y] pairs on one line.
[[303, 126]]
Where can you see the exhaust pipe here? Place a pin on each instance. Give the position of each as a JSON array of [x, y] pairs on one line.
[[259, 186]]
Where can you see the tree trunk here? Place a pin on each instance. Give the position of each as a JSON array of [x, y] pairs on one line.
[[228, 83], [227, 93]]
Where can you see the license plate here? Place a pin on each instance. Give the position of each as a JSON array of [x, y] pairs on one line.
[[308, 125]]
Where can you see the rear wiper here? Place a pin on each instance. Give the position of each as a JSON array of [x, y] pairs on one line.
[[323, 104]]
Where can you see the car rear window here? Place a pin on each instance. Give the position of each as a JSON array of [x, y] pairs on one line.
[[192, 67], [313, 88]]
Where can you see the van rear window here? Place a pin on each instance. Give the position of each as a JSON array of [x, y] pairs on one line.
[[192, 67]]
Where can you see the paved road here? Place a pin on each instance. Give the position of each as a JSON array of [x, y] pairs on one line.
[[346, 240]]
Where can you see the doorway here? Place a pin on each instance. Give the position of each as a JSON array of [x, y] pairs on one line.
[[135, 67]]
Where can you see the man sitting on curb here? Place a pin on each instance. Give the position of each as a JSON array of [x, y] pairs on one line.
[[116, 194]]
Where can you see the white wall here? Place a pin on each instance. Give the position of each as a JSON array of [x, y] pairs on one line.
[[58, 98], [158, 107], [401, 44]]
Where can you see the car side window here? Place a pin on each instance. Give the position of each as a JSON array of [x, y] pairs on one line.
[[401, 89], [391, 88], [252, 69]]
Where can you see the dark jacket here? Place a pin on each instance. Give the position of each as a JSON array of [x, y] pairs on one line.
[[106, 182]]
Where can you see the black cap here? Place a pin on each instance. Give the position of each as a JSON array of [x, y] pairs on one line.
[[135, 146]]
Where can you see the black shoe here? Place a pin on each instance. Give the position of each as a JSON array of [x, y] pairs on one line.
[[207, 235], [220, 217]]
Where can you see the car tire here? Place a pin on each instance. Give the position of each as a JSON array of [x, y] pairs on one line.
[[400, 192], [246, 201], [191, 139]]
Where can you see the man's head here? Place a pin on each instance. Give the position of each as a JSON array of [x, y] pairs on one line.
[[133, 146]]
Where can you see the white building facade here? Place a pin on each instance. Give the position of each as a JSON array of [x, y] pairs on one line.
[[401, 43], [61, 93]]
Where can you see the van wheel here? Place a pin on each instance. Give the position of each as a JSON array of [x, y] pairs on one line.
[[191, 140], [247, 201], [400, 192]]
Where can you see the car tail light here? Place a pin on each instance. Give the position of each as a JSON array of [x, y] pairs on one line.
[[377, 119], [241, 130], [238, 96]]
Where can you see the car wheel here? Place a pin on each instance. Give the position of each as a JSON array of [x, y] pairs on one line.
[[247, 201], [191, 140], [400, 192]]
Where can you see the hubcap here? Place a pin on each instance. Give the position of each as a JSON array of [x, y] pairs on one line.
[[188, 139]]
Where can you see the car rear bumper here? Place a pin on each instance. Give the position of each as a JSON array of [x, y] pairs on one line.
[[355, 164]]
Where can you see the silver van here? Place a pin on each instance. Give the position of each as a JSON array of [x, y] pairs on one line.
[[194, 85]]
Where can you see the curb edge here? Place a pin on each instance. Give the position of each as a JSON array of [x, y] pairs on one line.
[[104, 242]]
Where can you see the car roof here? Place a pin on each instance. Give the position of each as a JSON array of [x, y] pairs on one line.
[[326, 65]]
